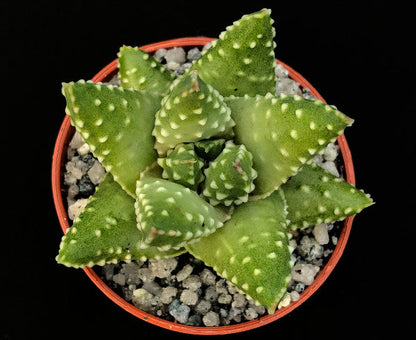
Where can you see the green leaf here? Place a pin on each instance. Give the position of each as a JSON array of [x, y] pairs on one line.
[[315, 196], [229, 178], [283, 133], [192, 111], [141, 71], [117, 125], [251, 250], [242, 60], [106, 231], [171, 215]]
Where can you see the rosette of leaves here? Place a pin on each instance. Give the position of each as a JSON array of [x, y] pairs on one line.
[[223, 118]]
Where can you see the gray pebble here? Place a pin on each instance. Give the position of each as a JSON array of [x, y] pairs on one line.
[[250, 313], [162, 268], [189, 297], [184, 272], [207, 277], [203, 307], [179, 312], [211, 294], [168, 294], [193, 282], [211, 319]]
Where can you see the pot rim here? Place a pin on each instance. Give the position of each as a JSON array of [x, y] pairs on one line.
[[59, 156]]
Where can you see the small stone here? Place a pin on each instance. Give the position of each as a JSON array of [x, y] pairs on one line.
[[309, 248], [73, 190], [184, 272], [145, 300], [194, 54], [168, 294], [194, 320], [88, 159], [189, 297], [160, 54], [331, 152], [130, 270], [192, 282], [173, 66], [75, 209], [120, 279], [235, 314], [320, 232], [232, 289], [179, 312], [72, 169], [208, 277], [211, 319], [108, 271], [211, 294], [203, 307], [176, 54], [287, 86], [250, 313], [258, 308], [331, 167], [76, 141], [153, 288], [162, 268], [281, 72], [86, 187], [221, 287], [285, 301], [224, 298], [145, 274], [83, 149], [239, 301], [294, 295], [96, 173], [304, 273]]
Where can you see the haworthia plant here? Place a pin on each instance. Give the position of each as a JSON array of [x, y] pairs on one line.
[[156, 137], [252, 250], [171, 215], [141, 71], [229, 178], [242, 62], [192, 111], [314, 196], [183, 166], [283, 133], [106, 231], [109, 118]]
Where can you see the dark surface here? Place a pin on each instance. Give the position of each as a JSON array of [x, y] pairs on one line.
[[359, 58]]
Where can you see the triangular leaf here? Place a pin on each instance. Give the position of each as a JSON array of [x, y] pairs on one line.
[[171, 215], [314, 196], [251, 250], [192, 111], [117, 125], [242, 60], [282, 133], [141, 71], [106, 231]]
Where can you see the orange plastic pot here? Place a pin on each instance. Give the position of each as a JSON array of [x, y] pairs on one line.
[[59, 195]]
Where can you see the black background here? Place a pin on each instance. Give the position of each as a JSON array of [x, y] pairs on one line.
[[358, 55]]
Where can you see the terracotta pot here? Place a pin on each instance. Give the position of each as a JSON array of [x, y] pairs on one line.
[[59, 195]]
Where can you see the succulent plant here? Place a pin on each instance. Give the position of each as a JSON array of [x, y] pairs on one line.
[[157, 135], [229, 178], [182, 165]]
